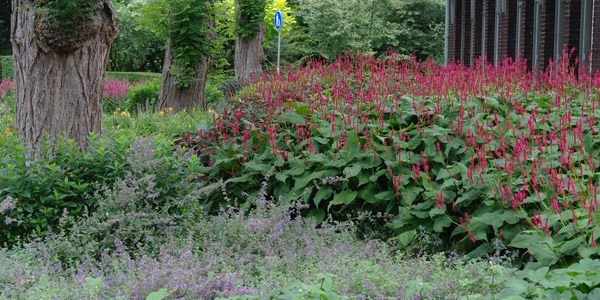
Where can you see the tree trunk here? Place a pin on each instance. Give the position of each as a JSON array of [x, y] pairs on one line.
[[59, 78], [179, 98], [249, 54]]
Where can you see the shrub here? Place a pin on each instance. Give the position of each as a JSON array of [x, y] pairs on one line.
[[143, 97], [230, 87], [6, 67], [134, 76], [35, 194]]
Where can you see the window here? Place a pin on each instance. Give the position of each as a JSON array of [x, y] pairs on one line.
[[585, 38], [537, 18], [518, 37], [483, 21], [472, 46], [452, 11], [559, 20], [499, 11]]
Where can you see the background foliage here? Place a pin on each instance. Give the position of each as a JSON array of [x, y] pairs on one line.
[[6, 67]]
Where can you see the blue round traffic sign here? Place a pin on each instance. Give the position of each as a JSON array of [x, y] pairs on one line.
[[278, 20]]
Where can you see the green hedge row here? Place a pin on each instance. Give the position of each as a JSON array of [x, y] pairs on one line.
[[6, 66], [133, 76]]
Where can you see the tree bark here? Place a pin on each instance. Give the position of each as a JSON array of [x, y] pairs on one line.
[[59, 80], [179, 98], [249, 53]]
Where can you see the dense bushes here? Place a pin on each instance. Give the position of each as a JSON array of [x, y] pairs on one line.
[[68, 182], [6, 67], [142, 97]]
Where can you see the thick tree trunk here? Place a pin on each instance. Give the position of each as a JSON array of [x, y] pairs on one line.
[[179, 98], [59, 79], [249, 54]]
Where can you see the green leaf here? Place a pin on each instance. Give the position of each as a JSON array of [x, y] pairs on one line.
[[322, 193], [543, 253], [588, 140], [407, 237], [353, 146], [318, 214], [441, 223], [158, 295], [352, 170], [303, 181], [345, 197], [524, 239], [414, 141], [293, 118]]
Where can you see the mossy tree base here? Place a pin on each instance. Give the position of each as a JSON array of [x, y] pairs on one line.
[[59, 81]]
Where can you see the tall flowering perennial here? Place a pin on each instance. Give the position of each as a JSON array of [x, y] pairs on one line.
[[6, 85], [514, 150], [117, 89]]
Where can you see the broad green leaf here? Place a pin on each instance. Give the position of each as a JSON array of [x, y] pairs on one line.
[[293, 118], [345, 197], [323, 193], [158, 295], [543, 253], [318, 214], [352, 170], [407, 237]]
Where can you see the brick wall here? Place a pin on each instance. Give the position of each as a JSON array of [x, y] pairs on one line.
[[596, 37], [490, 14], [526, 43], [459, 48], [455, 32], [466, 32], [547, 34], [477, 28], [507, 31], [572, 26]]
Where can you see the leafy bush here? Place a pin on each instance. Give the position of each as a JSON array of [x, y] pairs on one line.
[[6, 67], [331, 27], [230, 87], [35, 194], [143, 97]]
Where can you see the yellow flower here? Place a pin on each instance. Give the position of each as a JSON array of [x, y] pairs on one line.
[[118, 109], [124, 114], [10, 119], [170, 109], [161, 113]]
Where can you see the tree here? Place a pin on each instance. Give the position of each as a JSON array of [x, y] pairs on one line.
[[407, 26], [60, 50], [135, 49], [188, 54], [249, 38]]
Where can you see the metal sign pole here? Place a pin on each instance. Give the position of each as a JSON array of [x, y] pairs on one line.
[[278, 22], [278, 50]]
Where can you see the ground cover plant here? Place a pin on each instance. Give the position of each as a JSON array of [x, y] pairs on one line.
[[347, 177]]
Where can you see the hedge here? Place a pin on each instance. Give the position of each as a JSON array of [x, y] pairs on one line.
[[6, 67]]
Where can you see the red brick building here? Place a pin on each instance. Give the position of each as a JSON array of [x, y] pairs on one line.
[[535, 30]]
